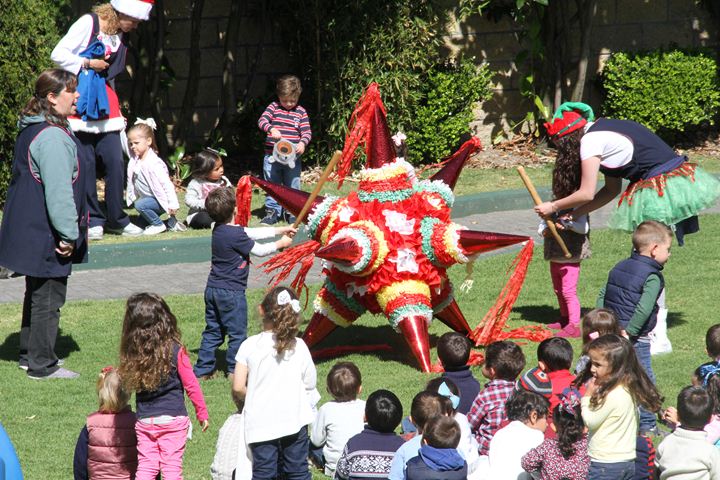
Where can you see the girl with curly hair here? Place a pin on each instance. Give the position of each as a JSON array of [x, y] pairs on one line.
[[276, 377], [155, 365]]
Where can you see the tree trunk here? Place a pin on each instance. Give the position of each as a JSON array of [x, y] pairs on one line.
[[185, 121], [586, 12], [229, 93]]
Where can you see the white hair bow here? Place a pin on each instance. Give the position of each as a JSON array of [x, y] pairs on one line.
[[284, 298], [150, 122], [398, 138]]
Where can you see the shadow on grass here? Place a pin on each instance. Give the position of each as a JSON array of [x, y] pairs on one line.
[[543, 314], [10, 348], [675, 319]]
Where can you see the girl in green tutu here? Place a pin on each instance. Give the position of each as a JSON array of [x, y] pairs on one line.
[[664, 186]]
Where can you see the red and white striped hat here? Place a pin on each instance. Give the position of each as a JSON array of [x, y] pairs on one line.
[[139, 9]]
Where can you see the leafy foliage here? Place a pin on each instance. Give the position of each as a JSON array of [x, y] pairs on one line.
[[30, 32], [668, 91]]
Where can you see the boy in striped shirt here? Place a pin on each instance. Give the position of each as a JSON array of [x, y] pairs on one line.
[[285, 119]]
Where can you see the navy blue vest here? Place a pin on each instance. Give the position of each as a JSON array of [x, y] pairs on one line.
[[117, 58], [167, 399], [416, 469], [27, 240], [649, 150], [625, 287]]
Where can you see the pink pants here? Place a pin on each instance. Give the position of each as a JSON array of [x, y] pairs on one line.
[[565, 279], [160, 449]]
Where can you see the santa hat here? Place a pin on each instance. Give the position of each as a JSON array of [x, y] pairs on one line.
[[139, 9], [569, 117]]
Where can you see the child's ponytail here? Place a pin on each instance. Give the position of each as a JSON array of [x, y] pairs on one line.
[[708, 376], [568, 421], [281, 309]]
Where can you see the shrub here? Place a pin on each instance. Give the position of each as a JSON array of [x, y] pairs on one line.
[[29, 34], [667, 91]]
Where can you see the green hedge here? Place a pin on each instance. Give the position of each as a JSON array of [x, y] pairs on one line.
[[668, 91], [29, 34]]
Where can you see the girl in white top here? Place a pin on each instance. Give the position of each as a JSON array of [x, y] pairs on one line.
[[615, 384], [207, 174], [276, 376]]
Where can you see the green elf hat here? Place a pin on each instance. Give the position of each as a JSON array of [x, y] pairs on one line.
[[569, 116]]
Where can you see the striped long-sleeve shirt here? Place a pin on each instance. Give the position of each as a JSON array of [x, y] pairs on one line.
[[294, 125]]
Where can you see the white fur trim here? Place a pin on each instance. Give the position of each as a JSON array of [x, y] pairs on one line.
[[139, 9], [97, 126]]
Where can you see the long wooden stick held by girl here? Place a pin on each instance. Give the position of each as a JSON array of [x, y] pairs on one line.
[[536, 198], [313, 195]]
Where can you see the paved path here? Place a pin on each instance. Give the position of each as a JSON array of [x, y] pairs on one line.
[[187, 278]]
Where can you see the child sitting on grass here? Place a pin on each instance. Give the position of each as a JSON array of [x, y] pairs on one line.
[[503, 363], [370, 453], [685, 453], [107, 446], [232, 458], [340, 419], [565, 455], [527, 412], [438, 458], [453, 350]]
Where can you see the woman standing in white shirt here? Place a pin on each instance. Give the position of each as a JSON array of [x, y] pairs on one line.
[[276, 376]]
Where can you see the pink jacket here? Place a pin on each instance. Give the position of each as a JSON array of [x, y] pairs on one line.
[[158, 178], [112, 445]]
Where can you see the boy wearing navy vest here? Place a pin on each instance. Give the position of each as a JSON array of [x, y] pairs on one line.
[[633, 288]]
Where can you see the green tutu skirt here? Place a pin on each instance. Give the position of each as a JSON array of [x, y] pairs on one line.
[[668, 198]]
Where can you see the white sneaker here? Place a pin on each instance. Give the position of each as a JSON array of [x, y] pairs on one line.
[[178, 227], [154, 229], [130, 230], [95, 233]]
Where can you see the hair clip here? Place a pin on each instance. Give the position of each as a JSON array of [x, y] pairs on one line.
[[708, 371], [150, 122], [284, 298], [444, 390], [220, 152], [106, 370], [593, 335]]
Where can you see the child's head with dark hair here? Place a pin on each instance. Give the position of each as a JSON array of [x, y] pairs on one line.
[[220, 204], [207, 165], [453, 350], [529, 408], [567, 418], [694, 407], [596, 323], [712, 342], [708, 377], [442, 432], [344, 381], [503, 360], [447, 389], [383, 411], [555, 354], [424, 406]]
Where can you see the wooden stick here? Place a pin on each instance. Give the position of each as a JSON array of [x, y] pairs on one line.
[[313, 195], [550, 223]]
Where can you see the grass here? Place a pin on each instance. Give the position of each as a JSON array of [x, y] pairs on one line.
[[44, 418]]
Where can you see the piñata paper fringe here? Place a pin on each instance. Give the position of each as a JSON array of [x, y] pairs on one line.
[[243, 199]]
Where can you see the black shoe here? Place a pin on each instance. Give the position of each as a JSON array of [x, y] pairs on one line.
[[289, 218], [271, 218]]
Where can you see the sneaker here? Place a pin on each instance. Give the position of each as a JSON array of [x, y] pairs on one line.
[[95, 233], [559, 325], [154, 229], [271, 218], [130, 230], [23, 365], [178, 227], [62, 373], [570, 331]]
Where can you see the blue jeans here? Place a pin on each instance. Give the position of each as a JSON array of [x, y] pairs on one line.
[[611, 471], [225, 313], [289, 454], [150, 210], [642, 351], [282, 175]]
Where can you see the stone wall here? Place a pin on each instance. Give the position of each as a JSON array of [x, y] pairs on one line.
[[628, 25]]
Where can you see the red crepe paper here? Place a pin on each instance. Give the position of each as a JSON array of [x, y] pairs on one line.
[[243, 199], [286, 261]]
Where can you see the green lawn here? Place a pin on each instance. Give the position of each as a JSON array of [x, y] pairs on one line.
[[44, 418]]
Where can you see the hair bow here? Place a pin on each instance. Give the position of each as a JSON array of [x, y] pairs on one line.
[[398, 138], [284, 298], [708, 371], [150, 122], [569, 400], [106, 370], [593, 335], [444, 390]]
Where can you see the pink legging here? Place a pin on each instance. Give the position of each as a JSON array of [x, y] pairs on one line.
[[161, 448], [565, 279]]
